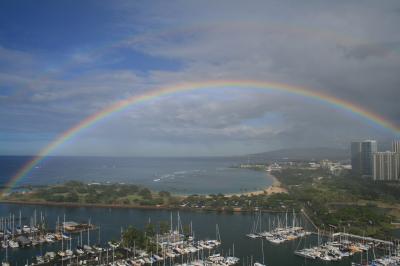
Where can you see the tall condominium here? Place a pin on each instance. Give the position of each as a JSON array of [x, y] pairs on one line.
[[396, 146], [386, 166], [361, 157], [356, 158]]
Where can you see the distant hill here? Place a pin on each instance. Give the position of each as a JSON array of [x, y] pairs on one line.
[[302, 154]]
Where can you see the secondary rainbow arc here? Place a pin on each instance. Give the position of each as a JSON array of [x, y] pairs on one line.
[[186, 87]]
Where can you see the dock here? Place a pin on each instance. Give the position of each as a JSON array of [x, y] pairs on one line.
[[363, 238]]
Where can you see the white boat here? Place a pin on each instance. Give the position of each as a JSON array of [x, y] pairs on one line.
[[305, 253], [80, 251], [65, 237], [26, 229], [121, 263], [158, 258], [50, 254], [113, 244], [325, 257], [231, 260], [192, 249], [69, 252], [253, 236], [97, 248], [49, 238], [178, 250], [170, 254], [13, 244], [40, 259]]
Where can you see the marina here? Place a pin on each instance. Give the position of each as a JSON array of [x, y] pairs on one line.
[[172, 247], [195, 239], [14, 233], [342, 245], [279, 230]]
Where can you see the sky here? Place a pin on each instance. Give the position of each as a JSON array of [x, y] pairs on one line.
[[61, 61]]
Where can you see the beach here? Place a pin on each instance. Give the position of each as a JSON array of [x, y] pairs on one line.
[[276, 187]]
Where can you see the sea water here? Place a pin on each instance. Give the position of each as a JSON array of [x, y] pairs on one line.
[[205, 175]]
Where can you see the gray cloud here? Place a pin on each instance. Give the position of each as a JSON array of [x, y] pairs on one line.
[[346, 49]]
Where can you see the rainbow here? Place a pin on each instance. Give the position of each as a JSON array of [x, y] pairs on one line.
[[194, 86]]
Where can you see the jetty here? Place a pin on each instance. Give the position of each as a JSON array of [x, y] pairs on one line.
[[362, 238]]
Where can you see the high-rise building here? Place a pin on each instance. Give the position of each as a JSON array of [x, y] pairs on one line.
[[368, 148], [396, 146], [386, 166], [356, 158], [361, 157]]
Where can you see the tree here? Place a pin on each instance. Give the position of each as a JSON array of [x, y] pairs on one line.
[[186, 230], [92, 198], [72, 197], [150, 230], [145, 193], [164, 194], [133, 236], [164, 227], [74, 184]]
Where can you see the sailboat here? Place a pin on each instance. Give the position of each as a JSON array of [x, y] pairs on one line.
[[87, 247], [6, 263], [79, 247], [262, 251], [69, 251], [256, 227]]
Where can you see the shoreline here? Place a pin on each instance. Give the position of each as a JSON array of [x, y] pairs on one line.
[[120, 206], [90, 205], [275, 187]]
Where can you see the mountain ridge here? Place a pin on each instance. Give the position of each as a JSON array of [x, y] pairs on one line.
[[317, 153]]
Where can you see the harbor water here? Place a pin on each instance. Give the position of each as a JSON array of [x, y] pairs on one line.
[[232, 227]]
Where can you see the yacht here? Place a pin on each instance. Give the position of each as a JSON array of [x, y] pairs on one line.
[[13, 244]]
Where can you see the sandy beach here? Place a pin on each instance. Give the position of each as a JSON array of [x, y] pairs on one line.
[[276, 187]]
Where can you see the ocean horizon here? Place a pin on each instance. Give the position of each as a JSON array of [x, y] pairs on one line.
[[178, 175]]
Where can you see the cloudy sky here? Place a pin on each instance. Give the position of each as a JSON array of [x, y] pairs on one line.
[[61, 61]]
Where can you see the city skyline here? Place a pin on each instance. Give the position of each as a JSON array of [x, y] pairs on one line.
[[370, 161]]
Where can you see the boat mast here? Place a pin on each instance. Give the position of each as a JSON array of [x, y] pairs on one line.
[[262, 250], [98, 239], [294, 219], [171, 224]]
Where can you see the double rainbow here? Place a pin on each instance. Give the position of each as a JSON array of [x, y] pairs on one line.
[[186, 87]]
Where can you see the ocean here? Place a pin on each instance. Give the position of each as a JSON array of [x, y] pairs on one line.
[[177, 175]]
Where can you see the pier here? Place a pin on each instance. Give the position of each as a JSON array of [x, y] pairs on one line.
[[363, 238]]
